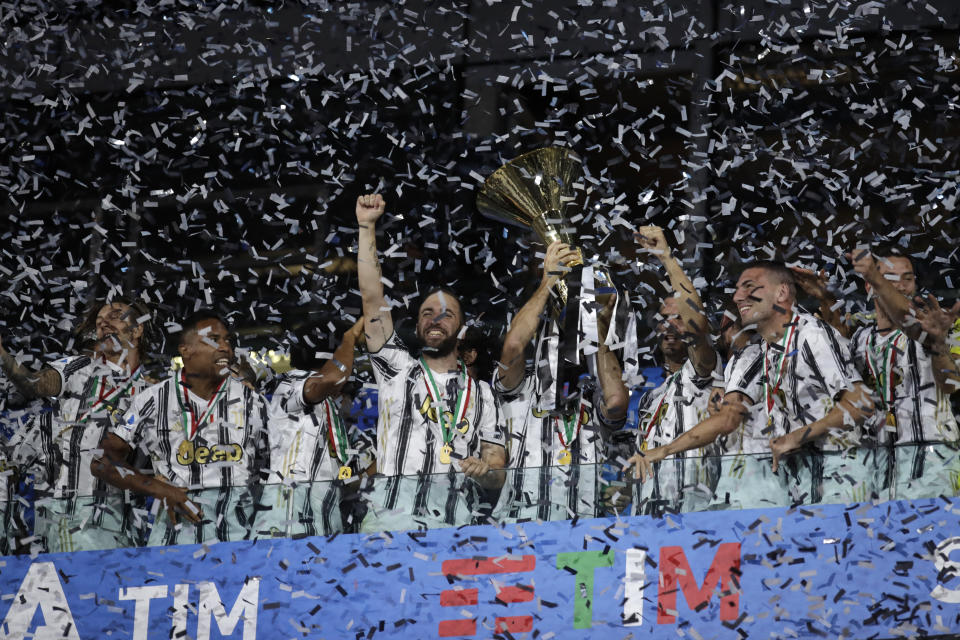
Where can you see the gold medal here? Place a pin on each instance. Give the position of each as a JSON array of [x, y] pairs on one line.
[[564, 457], [345, 472], [445, 452], [643, 447], [891, 419]]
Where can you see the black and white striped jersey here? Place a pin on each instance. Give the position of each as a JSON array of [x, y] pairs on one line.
[[676, 406], [299, 434], [899, 371], [744, 370], [801, 378], [547, 480], [409, 436], [230, 448], [58, 445], [424, 475]]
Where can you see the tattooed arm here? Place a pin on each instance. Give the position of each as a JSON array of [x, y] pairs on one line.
[[32, 384], [378, 323]]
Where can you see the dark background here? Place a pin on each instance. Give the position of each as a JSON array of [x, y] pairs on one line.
[[210, 153]]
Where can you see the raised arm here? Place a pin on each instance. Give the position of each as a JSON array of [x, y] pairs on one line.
[[524, 324], [609, 374], [732, 413], [327, 382], [33, 384], [378, 322], [895, 304], [696, 327], [937, 323]]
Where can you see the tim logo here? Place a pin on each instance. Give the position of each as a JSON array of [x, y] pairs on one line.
[[500, 594], [674, 577]]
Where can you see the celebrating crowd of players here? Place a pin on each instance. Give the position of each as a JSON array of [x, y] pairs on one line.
[[218, 461]]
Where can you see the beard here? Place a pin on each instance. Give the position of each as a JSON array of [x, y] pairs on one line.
[[441, 350], [111, 343]]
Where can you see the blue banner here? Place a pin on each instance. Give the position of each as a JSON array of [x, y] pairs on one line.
[[852, 571]]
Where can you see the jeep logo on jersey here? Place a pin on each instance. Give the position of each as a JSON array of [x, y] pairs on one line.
[[188, 453]]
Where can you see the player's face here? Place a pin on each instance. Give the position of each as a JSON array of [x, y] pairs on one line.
[[898, 271], [207, 352], [670, 331], [755, 296], [116, 327], [438, 324]]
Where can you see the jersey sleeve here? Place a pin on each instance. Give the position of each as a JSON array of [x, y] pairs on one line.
[[827, 354], [745, 372], [68, 368], [390, 360], [491, 429], [522, 391], [142, 411], [703, 382], [288, 397]]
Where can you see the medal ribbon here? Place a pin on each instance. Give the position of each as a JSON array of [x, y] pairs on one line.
[[883, 372], [656, 412], [336, 433], [186, 407], [463, 399], [778, 379], [108, 396], [571, 427]]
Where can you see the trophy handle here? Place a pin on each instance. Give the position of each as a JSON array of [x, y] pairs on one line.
[[549, 234]]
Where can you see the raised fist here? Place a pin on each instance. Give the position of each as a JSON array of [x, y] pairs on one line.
[[370, 207], [652, 239]]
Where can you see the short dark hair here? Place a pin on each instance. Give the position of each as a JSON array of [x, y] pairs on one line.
[[777, 271], [193, 321], [887, 250], [446, 291]]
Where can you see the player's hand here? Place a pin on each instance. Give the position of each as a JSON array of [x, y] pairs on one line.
[[716, 401], [176, 501], [369, 208], [652, 239], [609, 301], [782, 446], [474, 467], [813, 283], [642, 463], [864, 263], [934, 319], [557, 260]]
